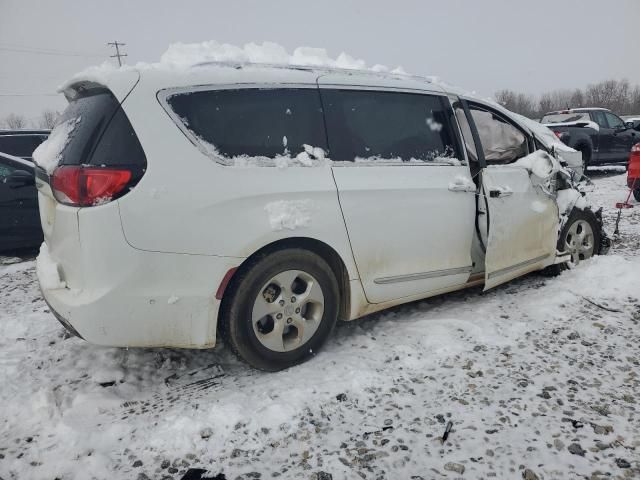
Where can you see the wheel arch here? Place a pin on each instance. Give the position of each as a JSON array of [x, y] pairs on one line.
[[325, 251]]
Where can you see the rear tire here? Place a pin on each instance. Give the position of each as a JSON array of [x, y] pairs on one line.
[[636, 194], [579, 236], [281, 309]]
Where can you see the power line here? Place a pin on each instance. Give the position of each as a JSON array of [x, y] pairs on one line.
[[118, 54], [43, 51], [29, 94]]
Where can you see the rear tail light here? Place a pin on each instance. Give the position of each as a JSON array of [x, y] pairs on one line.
[[88, 186]]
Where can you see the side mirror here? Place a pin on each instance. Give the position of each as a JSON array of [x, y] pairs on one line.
[[629, 124], [20, 178]]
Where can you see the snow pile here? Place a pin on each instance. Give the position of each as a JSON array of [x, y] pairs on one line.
[[290, 215], [184, 55], [528, 373], [462, 183], [47, 269], [309, 154], [310, 157], [49, 152]]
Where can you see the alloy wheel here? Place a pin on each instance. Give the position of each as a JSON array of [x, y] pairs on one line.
[[288, 311]]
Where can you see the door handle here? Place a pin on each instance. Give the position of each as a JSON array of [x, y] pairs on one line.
[[498, 192]]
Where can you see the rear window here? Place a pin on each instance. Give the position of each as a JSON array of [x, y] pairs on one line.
[[253, 122], [103, 135], [566, 117], [387, 126], [20, 145]]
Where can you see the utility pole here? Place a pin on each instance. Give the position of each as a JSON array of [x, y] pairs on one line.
[[117, 45]]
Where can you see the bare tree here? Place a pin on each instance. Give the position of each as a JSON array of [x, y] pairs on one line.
[[577, 99], [517, 102], [617, 95], [48, 119], [15, 121]]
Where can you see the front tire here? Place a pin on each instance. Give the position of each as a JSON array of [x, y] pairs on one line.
[[636, 194], [282, 308], [580, 236]]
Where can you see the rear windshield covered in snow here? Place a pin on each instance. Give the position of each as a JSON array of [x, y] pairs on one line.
[[103, 135], [253, 122], [387, 125], [566, 117]]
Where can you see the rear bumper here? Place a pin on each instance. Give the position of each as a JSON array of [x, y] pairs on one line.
[[63, 321], [160, 300], [112, 294]]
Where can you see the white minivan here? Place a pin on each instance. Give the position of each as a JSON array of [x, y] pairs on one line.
[[266, 202]]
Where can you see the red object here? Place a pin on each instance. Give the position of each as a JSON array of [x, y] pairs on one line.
[[558, 134], [633, 172], [88, 186], [225, 281]]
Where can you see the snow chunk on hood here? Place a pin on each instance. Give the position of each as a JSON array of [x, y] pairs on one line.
[[540, 163], [569, 199], [49, 153]]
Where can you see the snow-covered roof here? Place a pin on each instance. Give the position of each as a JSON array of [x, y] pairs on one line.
[[214, 63]]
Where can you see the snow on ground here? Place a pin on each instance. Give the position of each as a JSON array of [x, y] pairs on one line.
[[539, 377]]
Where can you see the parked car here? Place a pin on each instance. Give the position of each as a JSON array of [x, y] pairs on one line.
[[21, 143], [209, 203], [19, 217], [602, 136]]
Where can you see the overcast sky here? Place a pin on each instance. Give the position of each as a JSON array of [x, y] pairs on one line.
[[525, 45]]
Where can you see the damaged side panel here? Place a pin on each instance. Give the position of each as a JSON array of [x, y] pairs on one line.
[[523, 225]]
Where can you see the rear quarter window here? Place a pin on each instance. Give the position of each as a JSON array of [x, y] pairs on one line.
[[252, 122], [103, 135]]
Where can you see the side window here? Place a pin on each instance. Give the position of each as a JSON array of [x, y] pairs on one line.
[[17, 145], [501, 141], [253, 122], [6, 169], [387, 126], [613, 120], [600, 119]]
